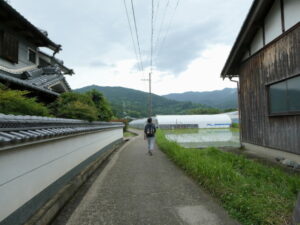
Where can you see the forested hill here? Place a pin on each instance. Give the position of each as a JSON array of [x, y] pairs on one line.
[[130, 102], [221, 99]]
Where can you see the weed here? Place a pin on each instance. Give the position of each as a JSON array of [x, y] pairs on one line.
[[251, 192]]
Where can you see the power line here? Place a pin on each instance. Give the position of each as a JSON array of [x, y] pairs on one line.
[[168, 29], [151, 59], [160, 28], [152, 35], [137, 35], [131, 33]]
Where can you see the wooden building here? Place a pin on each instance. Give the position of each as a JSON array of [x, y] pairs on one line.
[[266, 59], [22, 65]]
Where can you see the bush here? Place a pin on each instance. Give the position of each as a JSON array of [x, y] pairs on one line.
[[104, 110], [78, 110], [74, 106], [235, 125], [15, 102]]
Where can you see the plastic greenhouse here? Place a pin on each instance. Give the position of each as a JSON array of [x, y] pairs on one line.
[[193, 121], [139, 124]]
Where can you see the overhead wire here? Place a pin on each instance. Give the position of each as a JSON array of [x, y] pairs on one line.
[[137, 35], [160, 28], [152, 36], [168, 30], [132, 38], [151, 58]]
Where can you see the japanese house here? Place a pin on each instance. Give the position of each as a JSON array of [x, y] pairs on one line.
[[23, 65], [266, 59]]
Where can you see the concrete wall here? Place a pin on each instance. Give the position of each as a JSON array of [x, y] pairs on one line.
[[26, 172]]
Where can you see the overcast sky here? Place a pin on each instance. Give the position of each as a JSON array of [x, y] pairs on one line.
[[191, 42]]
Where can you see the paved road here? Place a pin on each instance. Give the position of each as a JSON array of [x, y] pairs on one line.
[[138, 189]]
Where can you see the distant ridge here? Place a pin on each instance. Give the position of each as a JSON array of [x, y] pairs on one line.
[[134, 103], [221, 99]]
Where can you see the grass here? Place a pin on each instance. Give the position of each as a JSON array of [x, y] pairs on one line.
[[233, 129], [128, 134], [251, 192]]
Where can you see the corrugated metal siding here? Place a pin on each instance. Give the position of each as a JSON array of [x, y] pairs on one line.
[[277, 61]]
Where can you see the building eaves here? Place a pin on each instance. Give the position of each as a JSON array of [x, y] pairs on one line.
[[57, 61], [18, 131], [5, 78], [252, 23], [26, 25]]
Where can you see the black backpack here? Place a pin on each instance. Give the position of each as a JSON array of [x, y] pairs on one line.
[[150, 130]]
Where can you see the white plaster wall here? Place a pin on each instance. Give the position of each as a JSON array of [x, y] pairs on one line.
[[23, 57], [257, 42], [273, 26], [246, 55], [26, 171], [291, 12]]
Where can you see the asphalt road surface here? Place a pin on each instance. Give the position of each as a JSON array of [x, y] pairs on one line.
[[135, 188]]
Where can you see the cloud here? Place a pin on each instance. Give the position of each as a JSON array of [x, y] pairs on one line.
[[99, 63], [184, 45], [97, 44], [202, 74]]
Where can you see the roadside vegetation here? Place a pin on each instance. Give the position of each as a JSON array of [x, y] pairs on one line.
[[91, 106], [251, 192], [235, 127], [16, 103], [128, 134]]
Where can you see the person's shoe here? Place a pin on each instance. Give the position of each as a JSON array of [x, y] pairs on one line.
[[150, 153]]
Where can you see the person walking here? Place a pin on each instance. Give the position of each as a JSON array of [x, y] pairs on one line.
[[149, 134]]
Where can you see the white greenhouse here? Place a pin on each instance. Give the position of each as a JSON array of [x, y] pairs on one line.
[[193, 121], [139, 124]]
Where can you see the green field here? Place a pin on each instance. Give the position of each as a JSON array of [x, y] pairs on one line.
[[204, 138], [251, 192]]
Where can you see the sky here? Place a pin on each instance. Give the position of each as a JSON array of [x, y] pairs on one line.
[[191, 40]]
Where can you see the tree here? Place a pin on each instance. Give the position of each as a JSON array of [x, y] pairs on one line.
[[200, 111], [17, 103], [74, 106], [104, 110]]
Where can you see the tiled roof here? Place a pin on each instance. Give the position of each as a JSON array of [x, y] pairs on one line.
[[24, 83], [40, 79], [24, 130]]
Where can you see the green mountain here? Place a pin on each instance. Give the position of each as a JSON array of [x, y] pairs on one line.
[[221, 99], [134, 103]]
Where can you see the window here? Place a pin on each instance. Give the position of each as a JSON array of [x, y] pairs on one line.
[[32, 56], [284, 97], [9, 47]]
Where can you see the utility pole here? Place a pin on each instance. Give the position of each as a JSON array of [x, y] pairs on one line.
[[150, 96], [149, 80]]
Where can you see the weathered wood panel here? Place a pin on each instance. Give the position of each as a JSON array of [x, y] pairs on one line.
[[277, 61]]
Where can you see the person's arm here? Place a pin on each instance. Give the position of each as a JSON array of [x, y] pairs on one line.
[[145, 132]]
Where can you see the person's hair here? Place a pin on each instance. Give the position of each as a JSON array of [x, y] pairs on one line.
[[149, 120]]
